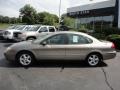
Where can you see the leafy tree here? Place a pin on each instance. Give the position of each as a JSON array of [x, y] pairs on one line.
[[5, 19], [68, 21], [40, 17], [28, 14], [49, 20], [46, 18]]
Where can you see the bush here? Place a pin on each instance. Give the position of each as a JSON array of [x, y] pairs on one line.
[[108, 31], [82, 30], [98, 35], [115, 38]]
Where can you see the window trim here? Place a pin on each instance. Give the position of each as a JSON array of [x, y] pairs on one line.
[[80, 43], [42, 31], [56, 35], [51, 27]]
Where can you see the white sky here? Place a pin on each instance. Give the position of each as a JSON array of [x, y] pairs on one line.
[[11, 7]]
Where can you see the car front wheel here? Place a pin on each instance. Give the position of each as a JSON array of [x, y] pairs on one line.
[[93, 60], [25, 59]]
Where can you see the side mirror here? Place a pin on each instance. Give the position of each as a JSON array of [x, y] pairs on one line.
[[44, 43]]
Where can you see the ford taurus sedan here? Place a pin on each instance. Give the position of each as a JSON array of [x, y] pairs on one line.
[[61, 46]]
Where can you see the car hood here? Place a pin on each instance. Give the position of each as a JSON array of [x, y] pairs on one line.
[[21, 45], [30, 33]]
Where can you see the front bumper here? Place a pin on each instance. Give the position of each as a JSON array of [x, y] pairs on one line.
[[8, 36], [9, 55]]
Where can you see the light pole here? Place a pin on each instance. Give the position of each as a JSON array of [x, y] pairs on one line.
[[59, 13]]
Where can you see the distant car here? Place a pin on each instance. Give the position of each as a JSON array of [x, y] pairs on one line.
[[35, 31], [13, 31], [61, 46], [2, 31]]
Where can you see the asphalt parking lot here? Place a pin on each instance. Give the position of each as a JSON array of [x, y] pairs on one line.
[[59, 75]]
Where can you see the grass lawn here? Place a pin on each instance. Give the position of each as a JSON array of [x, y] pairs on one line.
[[4, 26]]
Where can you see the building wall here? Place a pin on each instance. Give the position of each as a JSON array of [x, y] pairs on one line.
[[103, 13], [118, 13]]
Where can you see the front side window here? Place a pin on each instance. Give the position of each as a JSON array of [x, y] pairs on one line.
[[27, 28], [77, 39], [57, 40], [43, 29]]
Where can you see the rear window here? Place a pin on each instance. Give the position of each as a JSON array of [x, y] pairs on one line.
[[78, 39], [51, 29]]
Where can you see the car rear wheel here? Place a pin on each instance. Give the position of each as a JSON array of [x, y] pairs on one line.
[[25, 58], [93, 60]]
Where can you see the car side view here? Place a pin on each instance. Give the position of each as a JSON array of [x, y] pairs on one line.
[[61, 46], [35, 31], [13, 31]]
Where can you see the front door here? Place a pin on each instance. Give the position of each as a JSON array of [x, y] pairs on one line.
[[54, 48]]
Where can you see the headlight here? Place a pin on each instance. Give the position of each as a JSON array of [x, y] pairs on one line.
[[7, 33], [8, 49]]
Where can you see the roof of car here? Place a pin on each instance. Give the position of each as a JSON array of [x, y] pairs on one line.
[[72, 32]]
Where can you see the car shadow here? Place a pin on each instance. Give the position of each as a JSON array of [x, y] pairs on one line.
[[51, 64], [7, 43]]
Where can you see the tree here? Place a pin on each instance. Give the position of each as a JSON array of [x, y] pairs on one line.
[[40, 17], [28, 14], [68, 21], [5, 19], [46, 18]]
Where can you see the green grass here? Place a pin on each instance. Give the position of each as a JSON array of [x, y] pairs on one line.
[[4, 26]]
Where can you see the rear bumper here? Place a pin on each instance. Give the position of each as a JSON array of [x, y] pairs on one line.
[[109, 55]]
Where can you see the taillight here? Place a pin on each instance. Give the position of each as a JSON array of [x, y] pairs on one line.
[[113, 46]]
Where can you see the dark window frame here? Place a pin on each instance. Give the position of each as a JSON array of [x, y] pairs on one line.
[[65, 39]]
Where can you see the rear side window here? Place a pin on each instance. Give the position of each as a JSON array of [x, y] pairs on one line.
[[78, 39], [51, 29]]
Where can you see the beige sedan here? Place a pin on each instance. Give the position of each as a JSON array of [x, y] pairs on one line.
[[61, 46]]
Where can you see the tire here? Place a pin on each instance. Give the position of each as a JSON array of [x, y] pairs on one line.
[[31, 38], [25, 58], [94, 60]]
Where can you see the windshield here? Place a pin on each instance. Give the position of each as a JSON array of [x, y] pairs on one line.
[[17, 27], [20, 27], [12, 27], [35, 28], [41, 37]]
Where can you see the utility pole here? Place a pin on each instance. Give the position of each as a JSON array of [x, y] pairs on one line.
[[59, 14]]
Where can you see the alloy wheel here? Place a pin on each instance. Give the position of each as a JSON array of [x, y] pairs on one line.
[[93, 60]]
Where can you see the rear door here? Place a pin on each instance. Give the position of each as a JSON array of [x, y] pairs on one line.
[[78, 46]]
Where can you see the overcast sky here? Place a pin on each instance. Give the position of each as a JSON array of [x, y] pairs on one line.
[[11, 7]]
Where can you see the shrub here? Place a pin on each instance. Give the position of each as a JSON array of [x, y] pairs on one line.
[[108, 31], [98, 36], [115, 38]]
